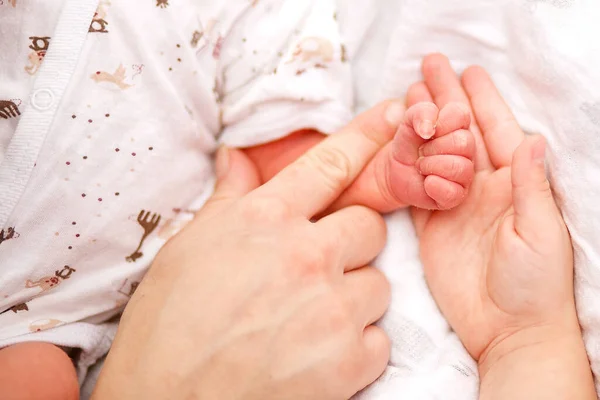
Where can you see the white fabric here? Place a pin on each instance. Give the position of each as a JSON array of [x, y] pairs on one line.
[[545, 58], [235, 76], [118, 121]]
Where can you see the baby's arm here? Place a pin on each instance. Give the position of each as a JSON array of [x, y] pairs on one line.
[[408, 171], [37, 371]]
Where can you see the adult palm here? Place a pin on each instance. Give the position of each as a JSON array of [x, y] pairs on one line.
[[502, 261]]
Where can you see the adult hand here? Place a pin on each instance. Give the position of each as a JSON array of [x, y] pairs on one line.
[[500, 265], [252, 300]]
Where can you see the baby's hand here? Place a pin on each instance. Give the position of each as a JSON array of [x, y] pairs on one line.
[[428, 164], [438, 176]]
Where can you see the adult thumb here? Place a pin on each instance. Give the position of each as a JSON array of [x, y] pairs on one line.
[[236, 176], [532, 197]]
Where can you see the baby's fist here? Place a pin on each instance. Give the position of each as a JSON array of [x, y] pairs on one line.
[[432, 156]]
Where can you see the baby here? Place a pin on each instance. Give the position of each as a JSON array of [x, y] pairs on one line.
[[106, 134], [106, 152]]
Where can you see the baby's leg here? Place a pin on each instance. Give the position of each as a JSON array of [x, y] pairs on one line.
[[429, 164], [37, 371]]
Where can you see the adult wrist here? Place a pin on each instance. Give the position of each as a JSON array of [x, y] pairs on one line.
[[540, 339]]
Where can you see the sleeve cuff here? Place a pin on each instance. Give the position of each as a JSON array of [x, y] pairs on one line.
[[272, 121]]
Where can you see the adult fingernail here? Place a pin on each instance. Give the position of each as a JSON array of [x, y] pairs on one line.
[[426, 129], [222, 162], [394, 113], [538, 153]]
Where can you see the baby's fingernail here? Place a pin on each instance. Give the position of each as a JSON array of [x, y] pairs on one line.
[[394, 113], [426, 129], [420, 151]]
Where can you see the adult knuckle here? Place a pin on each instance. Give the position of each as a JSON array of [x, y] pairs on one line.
[[353, 366], [351, 370], [266, 209], [339, 316], [381, 285], [332, 164], [329, 248], [305, 265], [542, 185], [310, 263]]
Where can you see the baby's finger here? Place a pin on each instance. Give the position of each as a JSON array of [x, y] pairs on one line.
[[452, 168], [422, 118], [445, 193], [459, 143], [452, 117], [418, 93]]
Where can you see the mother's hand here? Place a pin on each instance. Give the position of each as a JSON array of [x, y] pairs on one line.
[[253, 300]]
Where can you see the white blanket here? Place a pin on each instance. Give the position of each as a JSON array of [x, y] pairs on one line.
[[545, 57]]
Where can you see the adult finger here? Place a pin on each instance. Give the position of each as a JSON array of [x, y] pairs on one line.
[[442, 81], [316, 179], [236, 176], [359, 234], [445, 87], [499, 128], [375, 355], [418, 93], [532, 197], [368, 291]]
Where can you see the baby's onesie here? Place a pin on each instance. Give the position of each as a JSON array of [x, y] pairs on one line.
[[109, 114]]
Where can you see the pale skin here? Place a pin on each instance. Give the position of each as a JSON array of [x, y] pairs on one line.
[[500, 265], [498, 376], [289, 314], [393, 178]]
